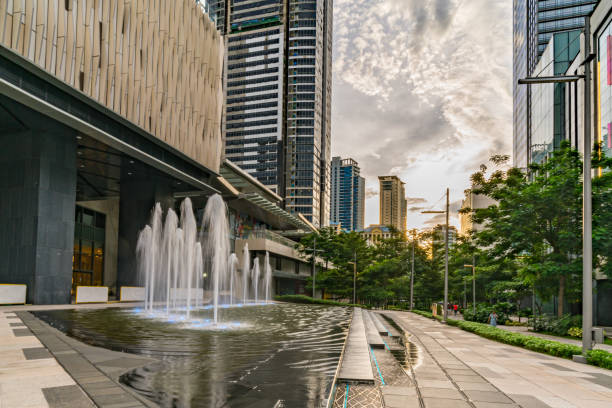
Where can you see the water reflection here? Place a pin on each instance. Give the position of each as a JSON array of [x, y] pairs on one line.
[[280, 352], [408, 354]]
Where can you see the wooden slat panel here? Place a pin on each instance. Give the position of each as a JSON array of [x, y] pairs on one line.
[[157, 63]]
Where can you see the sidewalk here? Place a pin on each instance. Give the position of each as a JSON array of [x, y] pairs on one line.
[[525, 330], [495, 375], [29, 375]]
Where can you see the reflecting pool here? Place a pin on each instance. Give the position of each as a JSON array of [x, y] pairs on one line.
[[282, 355]]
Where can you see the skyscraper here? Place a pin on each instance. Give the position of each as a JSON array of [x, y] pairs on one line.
[[347, 194], [534, 23], [393, 204], [278, 97]]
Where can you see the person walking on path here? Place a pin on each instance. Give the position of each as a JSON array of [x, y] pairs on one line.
[[493, 318], [455, 308]]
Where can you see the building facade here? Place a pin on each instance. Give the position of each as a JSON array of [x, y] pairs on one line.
[[534, 24], [472, 202], [393, 204], [373, 234], [347, 195], [440, 235], [101, 118], [278, 97], [549, 102]]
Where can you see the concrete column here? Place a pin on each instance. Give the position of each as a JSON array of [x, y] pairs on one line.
[[138, 197], [38, 183]]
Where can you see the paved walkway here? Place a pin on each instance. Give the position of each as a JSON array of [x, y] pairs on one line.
[[525, 330], [461, 369], [29, 375], [42, 367]]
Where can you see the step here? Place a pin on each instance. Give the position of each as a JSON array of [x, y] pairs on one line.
[[372, 334], [355, 365], [382, 330], [391, 331]]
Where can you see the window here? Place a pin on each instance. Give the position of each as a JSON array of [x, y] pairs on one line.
[[254, 81], [88, 253], [254, 63], [253, 54], [254, 35]]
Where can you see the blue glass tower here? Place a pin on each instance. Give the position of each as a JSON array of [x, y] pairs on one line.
[[347, 195]]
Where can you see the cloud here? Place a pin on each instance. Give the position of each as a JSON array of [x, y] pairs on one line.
[[371, 192], [415, 209], [435, 220], [422, 90], [415, 200]]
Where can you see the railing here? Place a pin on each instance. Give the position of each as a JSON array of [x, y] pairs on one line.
[[267, 234]]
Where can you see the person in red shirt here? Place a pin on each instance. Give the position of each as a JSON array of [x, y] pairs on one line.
[[455, 308]]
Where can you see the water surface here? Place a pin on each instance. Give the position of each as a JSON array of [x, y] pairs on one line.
[[282, 355]]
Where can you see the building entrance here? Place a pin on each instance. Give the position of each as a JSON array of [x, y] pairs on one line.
[[88, 255]]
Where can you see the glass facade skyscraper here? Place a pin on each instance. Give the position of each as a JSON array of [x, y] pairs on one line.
[[347, 195], [523, 58], [534, 24], [278, 97]]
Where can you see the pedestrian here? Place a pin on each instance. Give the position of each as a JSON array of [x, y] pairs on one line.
[[455, 308], [493, 318]]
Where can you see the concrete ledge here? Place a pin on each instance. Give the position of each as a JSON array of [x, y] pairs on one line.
[[91, 294], [96, 370], [132, 294], [12, 294], [355, 365]]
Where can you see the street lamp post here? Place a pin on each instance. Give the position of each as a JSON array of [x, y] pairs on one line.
[[412, 270], [314, 264], [445, 313], [354, 263], [587, 216], [473, 266]]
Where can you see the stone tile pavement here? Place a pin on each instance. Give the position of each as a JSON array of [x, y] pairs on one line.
[[42, 367], [29, 375], [461, 369]]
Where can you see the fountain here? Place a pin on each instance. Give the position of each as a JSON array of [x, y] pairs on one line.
[[233, 262], [173, 262], [267, 278], [246, 263], [170, 261], [215, 230], [255, 278]]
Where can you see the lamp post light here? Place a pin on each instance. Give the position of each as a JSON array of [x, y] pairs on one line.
[[314, 264], [445, 314], [473, 266], [412, 270], [354, 263], [587, 205]]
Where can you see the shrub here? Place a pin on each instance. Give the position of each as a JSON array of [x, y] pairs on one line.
[[575, 332], [559, 326], [483, 311], [600, 358], [308, 299]]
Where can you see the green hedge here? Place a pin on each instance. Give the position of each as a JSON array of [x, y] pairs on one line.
[[308, 299], [600, 358]]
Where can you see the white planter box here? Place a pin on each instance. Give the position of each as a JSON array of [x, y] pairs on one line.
[[132, 294], [92, 294], [12, 294]]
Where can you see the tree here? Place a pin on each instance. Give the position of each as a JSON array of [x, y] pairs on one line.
[[539, 221]]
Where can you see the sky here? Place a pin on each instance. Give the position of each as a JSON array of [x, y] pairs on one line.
[[422, 89]]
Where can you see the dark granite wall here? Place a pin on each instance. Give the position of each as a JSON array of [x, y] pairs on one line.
[[37, 203]]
